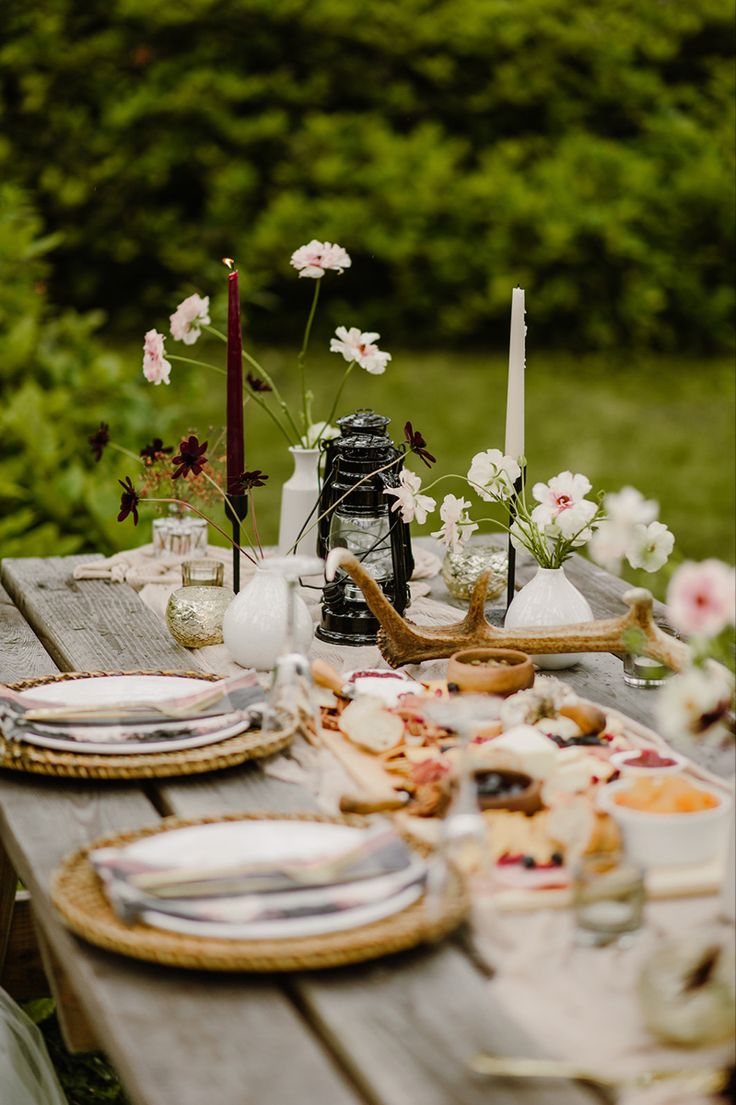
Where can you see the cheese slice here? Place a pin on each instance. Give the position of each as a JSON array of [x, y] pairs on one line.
[[536, 753]]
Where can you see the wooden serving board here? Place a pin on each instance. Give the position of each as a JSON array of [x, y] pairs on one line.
[[372, 782]]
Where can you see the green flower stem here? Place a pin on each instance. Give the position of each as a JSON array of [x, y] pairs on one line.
[[220, 530], [303, 353], [228, 503], [252, 502], [202, 364], [269, 380], [265, 407], [337, 502], [125, 452], [331, 415]]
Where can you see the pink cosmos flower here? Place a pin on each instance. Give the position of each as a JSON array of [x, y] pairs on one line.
[[457, 526], [701, 597], [412, 505], [563, 507], [156, 368], [189, 317], [357, 346], [314, 259]]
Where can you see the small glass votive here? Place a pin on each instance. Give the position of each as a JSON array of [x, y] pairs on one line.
[[608, 898], [642, 671], [203, 573]]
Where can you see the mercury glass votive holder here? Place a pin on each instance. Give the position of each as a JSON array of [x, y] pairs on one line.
[[608, 898], [195, 612], [461, 569]]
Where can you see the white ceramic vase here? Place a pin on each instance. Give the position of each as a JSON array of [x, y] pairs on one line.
[[254, 625], [549, 599], [298, 503]]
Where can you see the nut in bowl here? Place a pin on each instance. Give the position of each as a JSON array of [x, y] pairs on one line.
[[501, 671], [668, 822]]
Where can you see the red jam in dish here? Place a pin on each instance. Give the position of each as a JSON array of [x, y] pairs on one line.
[[649, 758], [375, 673]]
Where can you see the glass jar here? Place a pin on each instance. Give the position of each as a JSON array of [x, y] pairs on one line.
[[179, 533]]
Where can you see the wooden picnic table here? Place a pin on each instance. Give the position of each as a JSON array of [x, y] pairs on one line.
[[399, 1031]]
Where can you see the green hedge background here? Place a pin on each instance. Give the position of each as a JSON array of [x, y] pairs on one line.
[[455, 147]]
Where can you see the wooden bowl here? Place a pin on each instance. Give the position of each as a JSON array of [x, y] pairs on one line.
[[501, 671], [526, 800]]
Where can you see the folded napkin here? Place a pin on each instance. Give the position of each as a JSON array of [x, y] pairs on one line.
[[380, 866], [241, 693]]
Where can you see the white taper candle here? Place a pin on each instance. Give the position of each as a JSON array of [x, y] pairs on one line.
[[514, 446]]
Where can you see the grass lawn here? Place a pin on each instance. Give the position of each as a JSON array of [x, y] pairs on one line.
[[663, 424]]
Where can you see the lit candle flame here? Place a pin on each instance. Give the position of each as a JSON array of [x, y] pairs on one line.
[[229, 261]]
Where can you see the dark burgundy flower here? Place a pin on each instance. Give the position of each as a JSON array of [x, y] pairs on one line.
[[418, 445], [249, 480], [155, 449], [191, 457], [99, 440], [128, 501], [255, 383]]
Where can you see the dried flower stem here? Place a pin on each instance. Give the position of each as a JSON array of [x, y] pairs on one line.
[[303, 353]]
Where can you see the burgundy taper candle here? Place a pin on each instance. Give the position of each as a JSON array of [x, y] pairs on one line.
[[235, 442], [235, 437]]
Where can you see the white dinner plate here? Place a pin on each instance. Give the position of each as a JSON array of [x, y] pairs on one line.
[[111, 690], [223, 843]]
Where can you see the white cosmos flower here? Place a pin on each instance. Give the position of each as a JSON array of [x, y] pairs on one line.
[[701, 598], [696, 704], [412, 505], [189, 317], [318, 431], [358, 346], [628, 507], [608, 545], [457, 525], [649, 546], [314, 259], [492, 475], [563, 508], [156, 368]]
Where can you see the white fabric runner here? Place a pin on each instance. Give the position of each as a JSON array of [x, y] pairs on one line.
[[27, 1076]]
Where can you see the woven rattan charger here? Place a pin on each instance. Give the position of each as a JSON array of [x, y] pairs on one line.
[[78, 895], [19, 756]]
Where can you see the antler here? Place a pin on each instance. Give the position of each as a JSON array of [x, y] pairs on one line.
[[402, 642]]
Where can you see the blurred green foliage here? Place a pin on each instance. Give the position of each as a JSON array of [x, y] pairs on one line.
[[455, 147]]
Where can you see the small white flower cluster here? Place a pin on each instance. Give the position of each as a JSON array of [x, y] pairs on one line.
[[630, 531], [360, 348]]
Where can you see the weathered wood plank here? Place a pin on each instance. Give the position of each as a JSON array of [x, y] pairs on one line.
[[176, 1038], [90, 625], [22, 655], [410, 1025], [242, 790]]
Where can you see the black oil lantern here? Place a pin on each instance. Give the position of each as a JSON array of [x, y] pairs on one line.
[[356, 515]]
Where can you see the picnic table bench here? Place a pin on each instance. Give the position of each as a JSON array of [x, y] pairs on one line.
[[398, 1031]]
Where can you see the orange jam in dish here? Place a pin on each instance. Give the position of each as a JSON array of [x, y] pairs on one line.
[[665, 795]]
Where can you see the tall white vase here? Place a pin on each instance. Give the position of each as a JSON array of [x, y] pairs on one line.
[[255, 622], [298, 503], [549, 599]]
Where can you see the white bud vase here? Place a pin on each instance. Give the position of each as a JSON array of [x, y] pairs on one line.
[[254, 625], [549, 599], [299, 502]]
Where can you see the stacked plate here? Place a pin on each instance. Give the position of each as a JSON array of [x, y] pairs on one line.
[[127, 714], [262, 880]]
